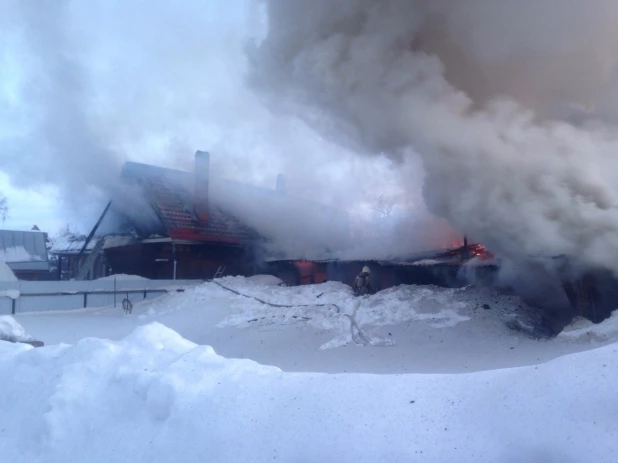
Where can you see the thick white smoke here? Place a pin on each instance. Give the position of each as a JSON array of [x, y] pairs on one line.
[[49, 127], [510, 104], [86, 85]]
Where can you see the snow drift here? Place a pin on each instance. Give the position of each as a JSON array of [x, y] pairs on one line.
[[12, 331], [123, 277], [583, 330], [333, 308], [155, 396]]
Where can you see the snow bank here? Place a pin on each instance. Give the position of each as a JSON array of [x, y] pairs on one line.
[[155, 397], [10, 293], [264, 280], [12, 331], [122, 276], [581, 330], [6, 274], [331, 306]]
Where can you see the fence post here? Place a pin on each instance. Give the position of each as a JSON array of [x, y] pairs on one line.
[[145, 293], [114, 292], [85, 300], [12, 306]]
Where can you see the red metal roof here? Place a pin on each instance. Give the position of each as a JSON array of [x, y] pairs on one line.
[[170, 193]]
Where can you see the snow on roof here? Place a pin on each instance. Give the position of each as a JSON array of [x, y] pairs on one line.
[[118, 241], [6, 274], [72, 244], [24, 250], [16, 254]]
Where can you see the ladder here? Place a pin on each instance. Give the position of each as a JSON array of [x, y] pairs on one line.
[[85, 269], [219, 273]]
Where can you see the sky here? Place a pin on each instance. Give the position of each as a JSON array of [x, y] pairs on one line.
[[29, 207]]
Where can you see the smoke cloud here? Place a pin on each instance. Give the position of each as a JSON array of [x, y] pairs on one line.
[[86, 86], [511, 106], [50, 133]]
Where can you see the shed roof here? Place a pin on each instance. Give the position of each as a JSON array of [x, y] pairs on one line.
[[71, 244], [24, 250]]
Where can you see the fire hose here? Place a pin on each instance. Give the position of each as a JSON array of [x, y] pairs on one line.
[[353, 324]]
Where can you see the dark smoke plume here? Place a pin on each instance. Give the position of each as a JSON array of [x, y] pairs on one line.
[[511, 106]]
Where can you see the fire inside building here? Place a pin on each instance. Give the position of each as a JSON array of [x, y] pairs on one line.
[[446, 268]]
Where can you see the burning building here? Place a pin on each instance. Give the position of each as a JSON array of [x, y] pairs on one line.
[[451, 268], [169, 224]]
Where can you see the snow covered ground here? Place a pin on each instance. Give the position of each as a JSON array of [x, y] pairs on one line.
[[156, 392], [409, 329], [156, 397]]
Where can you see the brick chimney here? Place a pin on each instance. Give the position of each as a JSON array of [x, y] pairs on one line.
[[202, 175], [280, 187]]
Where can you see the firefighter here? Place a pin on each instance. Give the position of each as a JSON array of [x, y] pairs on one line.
[[362, 283]]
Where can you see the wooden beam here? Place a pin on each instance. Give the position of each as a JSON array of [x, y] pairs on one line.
[[90, 236]]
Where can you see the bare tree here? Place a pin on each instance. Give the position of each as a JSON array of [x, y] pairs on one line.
[[377, 225], [4, 208], [383, 207]]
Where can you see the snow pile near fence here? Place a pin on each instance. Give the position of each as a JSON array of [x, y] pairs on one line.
[[12, 331], [330, 306], [6, 274], [122, 277], [156, 397], [10, 293]]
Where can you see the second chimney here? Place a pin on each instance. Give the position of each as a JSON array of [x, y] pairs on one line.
[[202, 174]]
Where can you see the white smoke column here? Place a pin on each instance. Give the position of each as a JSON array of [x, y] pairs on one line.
[[488, 92], [51, 134], [84, 85]]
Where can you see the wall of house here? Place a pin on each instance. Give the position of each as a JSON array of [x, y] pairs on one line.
[[156, 260], [138, 259], [204, 261]]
